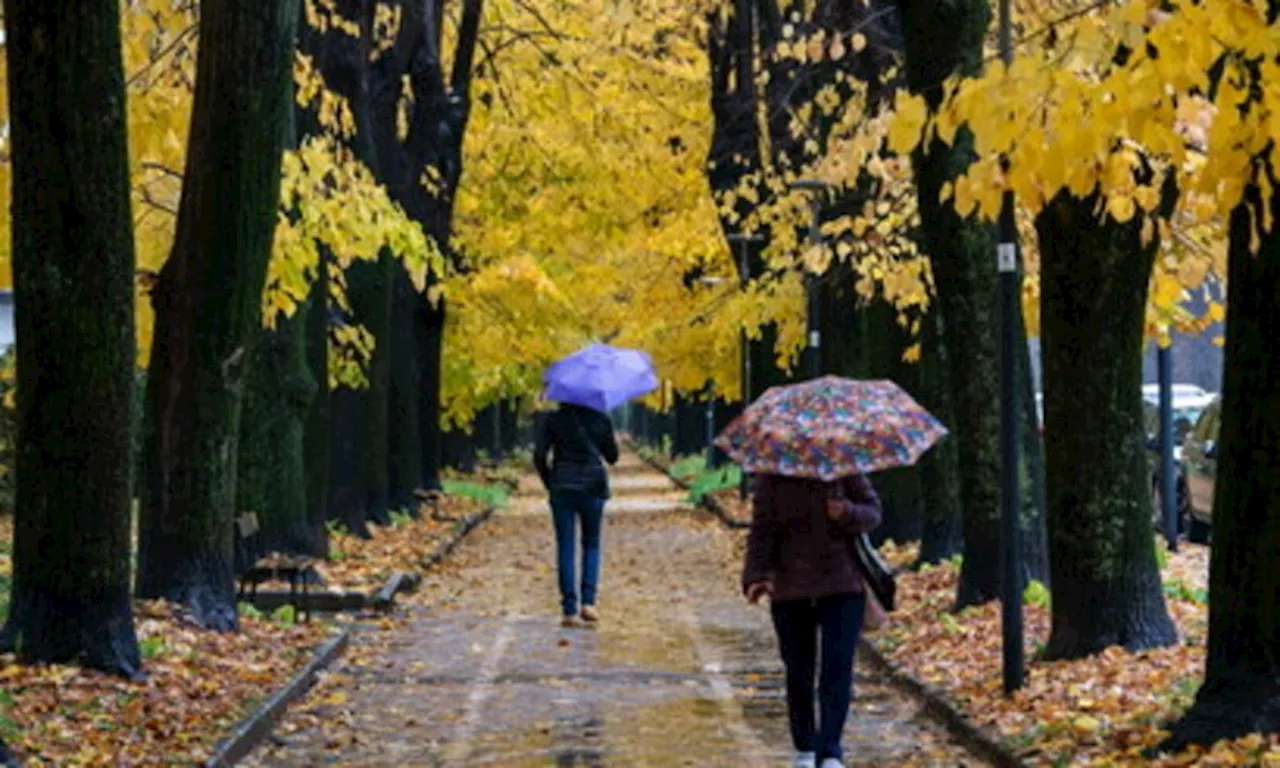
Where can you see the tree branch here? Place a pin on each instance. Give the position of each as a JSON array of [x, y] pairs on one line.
[[464, 53]]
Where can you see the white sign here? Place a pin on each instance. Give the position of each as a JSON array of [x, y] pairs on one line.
[[1007, 257], [815, 339]]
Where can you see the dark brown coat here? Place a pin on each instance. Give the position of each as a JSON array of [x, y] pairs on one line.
[[796, 547]]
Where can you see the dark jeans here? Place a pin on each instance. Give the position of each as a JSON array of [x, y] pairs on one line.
[[797, 622], [569, 509]]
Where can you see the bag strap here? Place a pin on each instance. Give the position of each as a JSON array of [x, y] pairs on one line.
[[591, 444]]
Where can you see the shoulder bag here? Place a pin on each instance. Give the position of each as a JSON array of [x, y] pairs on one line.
[[876, 573]]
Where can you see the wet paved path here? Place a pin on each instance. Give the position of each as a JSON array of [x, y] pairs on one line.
[[681, 672]]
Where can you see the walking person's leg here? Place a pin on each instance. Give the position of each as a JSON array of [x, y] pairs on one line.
[[592, 516], [795, 622], [564, 515], [840, 620]]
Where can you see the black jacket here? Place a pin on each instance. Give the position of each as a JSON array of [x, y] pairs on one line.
[[575, 466]]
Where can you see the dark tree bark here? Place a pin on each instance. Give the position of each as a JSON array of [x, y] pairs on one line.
[[271, 474], [437, 121], [369, 288], [734, 155], [690, 434], [208, 304], [73, 262], [483, 428], [942, 39], [1241, 690], [459, 448], [316, 445], [356, 480], [1035, 529], [513, 436], [883, 344], [1093, 283], [941, 536], [404, 454], [272, 479], [316, 430], [428, 330]]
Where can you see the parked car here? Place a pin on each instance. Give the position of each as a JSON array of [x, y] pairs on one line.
[[1200, 469], [1151, 392], [1187, 409]]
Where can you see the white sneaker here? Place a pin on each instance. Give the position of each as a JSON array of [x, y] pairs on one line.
[[805, 760], [831, 762]]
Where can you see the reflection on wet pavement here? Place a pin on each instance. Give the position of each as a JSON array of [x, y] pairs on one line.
[[680, 672]]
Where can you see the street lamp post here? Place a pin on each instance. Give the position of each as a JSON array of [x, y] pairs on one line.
[[813, 349], [711, 394], [744, 239], [1168, 487], [1007, 263]]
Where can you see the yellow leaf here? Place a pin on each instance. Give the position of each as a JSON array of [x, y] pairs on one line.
[[904, 132], [1120, 207]]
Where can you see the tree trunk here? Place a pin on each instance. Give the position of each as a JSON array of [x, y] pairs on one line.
[[512, 431], [940, 537], [690, 433], [429, 333], [345, 495], [483, 434], [271, 474], [272, 470], [942, 39], [459, 450], [883, 344], [315, 436], [845, 348], [313, 43], [73, 262], [1035, 530], [404, 457], [1093, 283], [369, 288], [1241, 690], [208, 304]]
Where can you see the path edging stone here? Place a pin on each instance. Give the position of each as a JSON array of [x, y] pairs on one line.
[[469, 524], [257, 726], [977, 739], [984, 744]]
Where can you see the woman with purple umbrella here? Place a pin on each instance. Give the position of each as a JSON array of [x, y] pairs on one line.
[[581, 440], [579, 436]]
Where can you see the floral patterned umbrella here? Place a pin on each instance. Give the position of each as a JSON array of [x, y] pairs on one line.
[[829, 428]]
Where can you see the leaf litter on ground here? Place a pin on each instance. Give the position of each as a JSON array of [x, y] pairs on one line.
[[405, 545], [198, 685], [1106, 710]]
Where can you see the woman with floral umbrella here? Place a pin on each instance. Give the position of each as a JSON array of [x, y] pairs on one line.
[[811, 446]]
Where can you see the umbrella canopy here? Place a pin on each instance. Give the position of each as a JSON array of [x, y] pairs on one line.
[[600, 377], [829, 428]]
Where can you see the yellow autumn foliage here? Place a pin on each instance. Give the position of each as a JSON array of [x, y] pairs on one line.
[[584, 200], [328, 198], [1068, 115]]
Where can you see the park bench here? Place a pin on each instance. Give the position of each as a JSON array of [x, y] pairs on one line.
[[431, 500], [274, 566]]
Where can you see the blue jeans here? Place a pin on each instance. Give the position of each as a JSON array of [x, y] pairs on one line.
[[568, 510], [797, 622]]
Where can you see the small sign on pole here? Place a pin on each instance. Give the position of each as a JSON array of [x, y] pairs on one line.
[[1007, 257]]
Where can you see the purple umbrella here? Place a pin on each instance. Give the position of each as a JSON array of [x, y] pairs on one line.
[[600, 377]]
